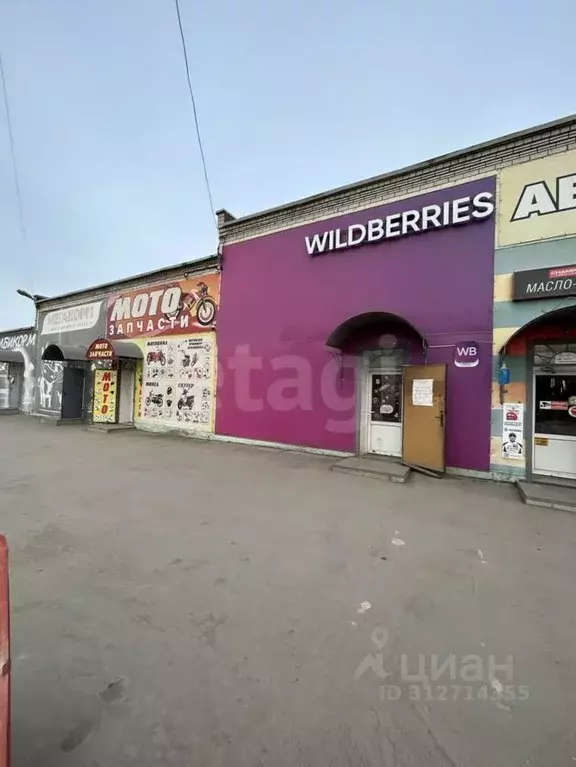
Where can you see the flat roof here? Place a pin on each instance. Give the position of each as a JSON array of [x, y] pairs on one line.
[[460, 153], [206, 262], [27, 329]]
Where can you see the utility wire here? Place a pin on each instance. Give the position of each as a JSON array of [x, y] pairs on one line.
[[13, 154], [193, 100]]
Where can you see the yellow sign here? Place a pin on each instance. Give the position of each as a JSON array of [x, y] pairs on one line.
[[105, 387], [538, 200], [541, 441]]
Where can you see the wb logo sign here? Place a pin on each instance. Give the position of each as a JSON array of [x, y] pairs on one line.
[[466, 355]]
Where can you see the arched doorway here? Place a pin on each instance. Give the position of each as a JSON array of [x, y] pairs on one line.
[[548, 346], [384, 344], [64, 368], [392, 373], [12, 367]]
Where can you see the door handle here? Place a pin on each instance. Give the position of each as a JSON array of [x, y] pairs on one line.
[[441, 418]]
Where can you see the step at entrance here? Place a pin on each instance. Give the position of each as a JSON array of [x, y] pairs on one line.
[[373, 466], [548, 496]]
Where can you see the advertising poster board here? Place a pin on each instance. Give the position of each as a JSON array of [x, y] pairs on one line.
[[513, 431], [172, 308], [105, 390], [177, 385]]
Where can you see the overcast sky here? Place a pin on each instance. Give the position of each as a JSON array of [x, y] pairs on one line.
[[294, 97]]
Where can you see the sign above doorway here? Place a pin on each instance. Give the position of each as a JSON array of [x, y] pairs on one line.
[[551, 282], [100, 349]]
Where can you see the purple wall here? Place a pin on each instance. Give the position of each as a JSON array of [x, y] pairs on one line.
[[277, 379]]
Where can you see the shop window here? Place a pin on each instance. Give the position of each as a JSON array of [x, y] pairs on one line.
[[386, 398], [551, 354], [386, 358], [555, 404]]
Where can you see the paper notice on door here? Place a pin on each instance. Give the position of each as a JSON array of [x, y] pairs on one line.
[[423, 392]]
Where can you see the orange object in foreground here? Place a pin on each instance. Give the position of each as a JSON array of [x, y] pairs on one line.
[[4, 655]]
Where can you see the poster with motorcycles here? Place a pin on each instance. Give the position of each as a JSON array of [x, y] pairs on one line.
[[513, 431], [177, 381]]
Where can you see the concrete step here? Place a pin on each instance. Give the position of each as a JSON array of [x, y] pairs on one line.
[[373, 466], [110, 428], [548, 496], [55, 421]]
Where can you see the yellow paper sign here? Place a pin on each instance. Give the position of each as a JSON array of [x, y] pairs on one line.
[[105, 388]]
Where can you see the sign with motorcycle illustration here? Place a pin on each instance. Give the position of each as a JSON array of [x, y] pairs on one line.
[[173, 308], [178, 380]]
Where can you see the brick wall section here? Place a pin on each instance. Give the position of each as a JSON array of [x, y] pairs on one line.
[[131, 283], [483, 160]]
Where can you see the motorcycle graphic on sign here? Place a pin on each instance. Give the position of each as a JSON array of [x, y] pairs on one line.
[[199, 300], [176, 308], [156, 356], [177, 381]]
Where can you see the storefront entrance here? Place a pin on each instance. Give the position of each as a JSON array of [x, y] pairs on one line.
[[126, 405], [72, 392], [67, 361], [384, 408], [11, 382], [402, 399], [114, 368], [424, 427], [554, 411]]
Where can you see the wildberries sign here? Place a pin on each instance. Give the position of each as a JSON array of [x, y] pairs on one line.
[[174, 308], [467, 355]]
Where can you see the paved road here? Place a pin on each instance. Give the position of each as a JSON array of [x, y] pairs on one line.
[[205, 604]]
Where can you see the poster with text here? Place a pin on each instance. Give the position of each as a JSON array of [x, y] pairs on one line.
[[105, 389], [171, 308], [177, 382], [513, 431]]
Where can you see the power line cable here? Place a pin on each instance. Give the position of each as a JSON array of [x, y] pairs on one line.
[[13, 154], [194, 110]]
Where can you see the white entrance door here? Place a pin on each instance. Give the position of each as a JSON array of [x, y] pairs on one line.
[[384, 398], [554, 450]]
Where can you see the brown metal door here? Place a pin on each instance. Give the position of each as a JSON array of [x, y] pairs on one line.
[[424, 416]]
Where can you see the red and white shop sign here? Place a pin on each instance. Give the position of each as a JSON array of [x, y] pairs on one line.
[[174, 308]]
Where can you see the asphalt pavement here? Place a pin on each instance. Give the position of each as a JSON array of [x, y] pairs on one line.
[[204, 604]]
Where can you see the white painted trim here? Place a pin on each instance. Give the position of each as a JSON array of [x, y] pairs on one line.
[[209, 436], [493, 476], [279, 445], [162, 428]]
